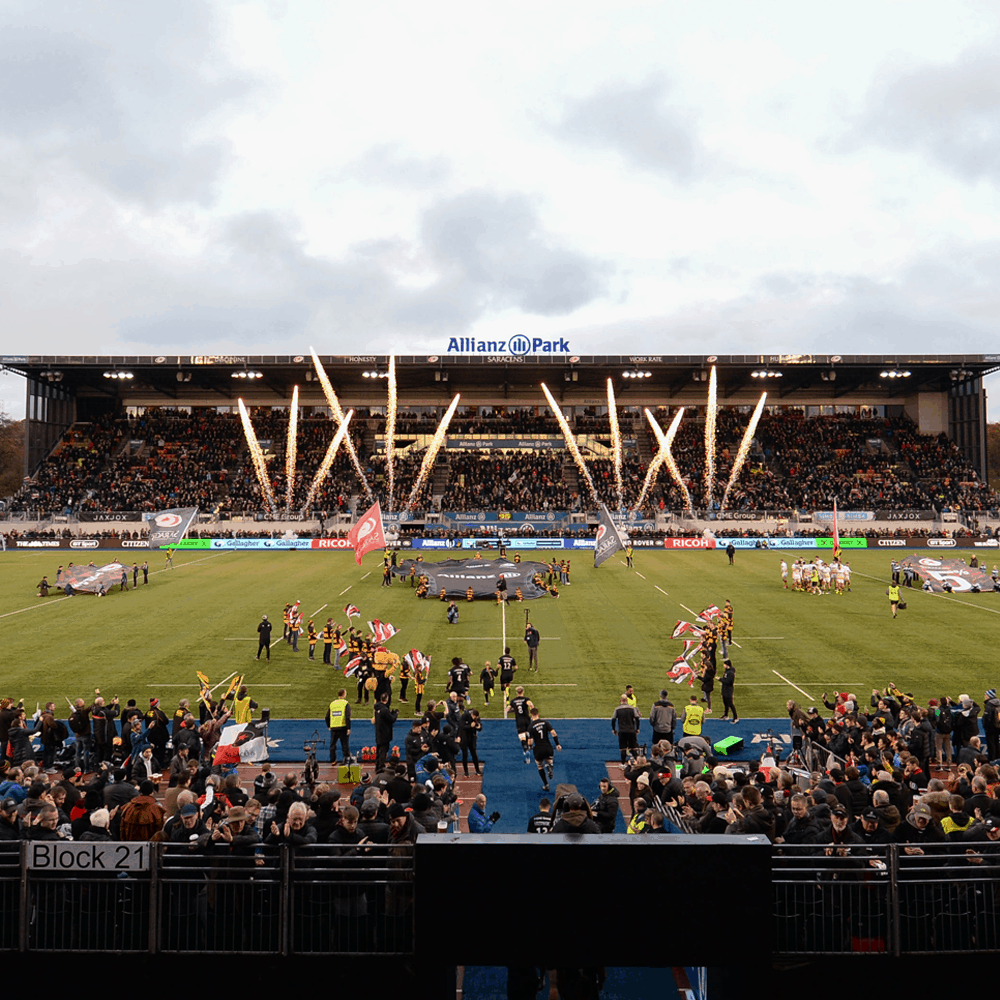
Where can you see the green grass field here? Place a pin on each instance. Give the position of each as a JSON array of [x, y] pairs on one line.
[[607, 629]]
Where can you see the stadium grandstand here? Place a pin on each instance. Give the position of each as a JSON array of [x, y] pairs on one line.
[[900, 437]]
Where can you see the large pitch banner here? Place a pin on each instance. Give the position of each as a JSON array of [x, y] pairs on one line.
[[455, 576], [954, 572], [92, 579]]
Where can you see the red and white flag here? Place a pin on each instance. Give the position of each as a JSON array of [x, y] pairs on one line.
[[352, 611], [368, 534], [414, 659], [352, 665], [681, 669], [836, 532], [710, 612], [382, 631], [685, 627]]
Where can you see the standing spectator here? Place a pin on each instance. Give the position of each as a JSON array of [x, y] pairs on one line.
[[479, 822], [625, 721]]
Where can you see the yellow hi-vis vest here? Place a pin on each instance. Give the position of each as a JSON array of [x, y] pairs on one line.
[[694, 716], [338, 711]]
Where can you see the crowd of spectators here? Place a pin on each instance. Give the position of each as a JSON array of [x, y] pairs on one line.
[[164, 458]]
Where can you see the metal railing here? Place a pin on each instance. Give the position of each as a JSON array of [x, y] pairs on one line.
[[275, 901], [888, 899], [883, 900]]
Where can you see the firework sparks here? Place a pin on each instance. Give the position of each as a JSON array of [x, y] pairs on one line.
[[571, 443], [710, 415], [616, 441], [664, 456], [390, 429], [291, 450], [259, 464], [331, 453], [741, 455], [331, 398], [432, 449]]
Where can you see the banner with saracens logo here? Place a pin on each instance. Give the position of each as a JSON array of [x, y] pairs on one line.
[[608, 540], [952, 573], [168, 527], [368, 534]]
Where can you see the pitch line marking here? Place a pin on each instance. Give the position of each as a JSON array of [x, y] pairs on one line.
[[189, 685], [797, 688], [344, 591], [493, 638], [318, 610], [637, 573], [931, 593], [56, 600], [368, 574], [32, 607], [661, 590]]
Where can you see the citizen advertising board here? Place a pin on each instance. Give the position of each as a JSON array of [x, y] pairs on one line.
[[890, 543]]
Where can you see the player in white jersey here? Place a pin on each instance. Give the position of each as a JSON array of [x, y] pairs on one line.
[[784, 573], [824, 574], [847, 576], [797, 574]]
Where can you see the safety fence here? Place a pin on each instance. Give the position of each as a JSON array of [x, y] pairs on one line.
[[166, 898], [889, 899], [172, 899]]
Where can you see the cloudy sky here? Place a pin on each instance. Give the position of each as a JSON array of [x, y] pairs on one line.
[[636, 177]]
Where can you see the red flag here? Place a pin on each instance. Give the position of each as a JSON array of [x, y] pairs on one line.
[[368, 534], [836, 532]]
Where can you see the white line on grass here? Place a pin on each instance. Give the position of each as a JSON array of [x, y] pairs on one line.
[[797, 688], [318, 610], [774, 638], [637, 573], [344, 591], [493, 638], [932, 593], [32, 607], [661, 590], [688, 610], [368, 574], [188, 685]]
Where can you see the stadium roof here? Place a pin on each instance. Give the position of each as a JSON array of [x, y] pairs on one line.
[[171, 380]]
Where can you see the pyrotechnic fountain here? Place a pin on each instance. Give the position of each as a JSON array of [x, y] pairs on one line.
[[291, 450], [331, 453], [390, 430], [259, 463], [432, 449], [741, 455], [331, 398], [664, 456], [616, 441], [710, 415], [571, 443]]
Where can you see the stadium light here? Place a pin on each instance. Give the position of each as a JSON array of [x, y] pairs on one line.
[[894, 373], [247, 374], [117, 374], [766, 373], [635, 374]]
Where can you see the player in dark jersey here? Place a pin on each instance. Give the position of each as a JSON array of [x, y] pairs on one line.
[[458, 679], [542, 821], [522, 707], [506, 665], [541, 745]]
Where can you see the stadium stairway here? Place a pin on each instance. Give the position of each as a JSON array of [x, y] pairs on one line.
[[512, 787]]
